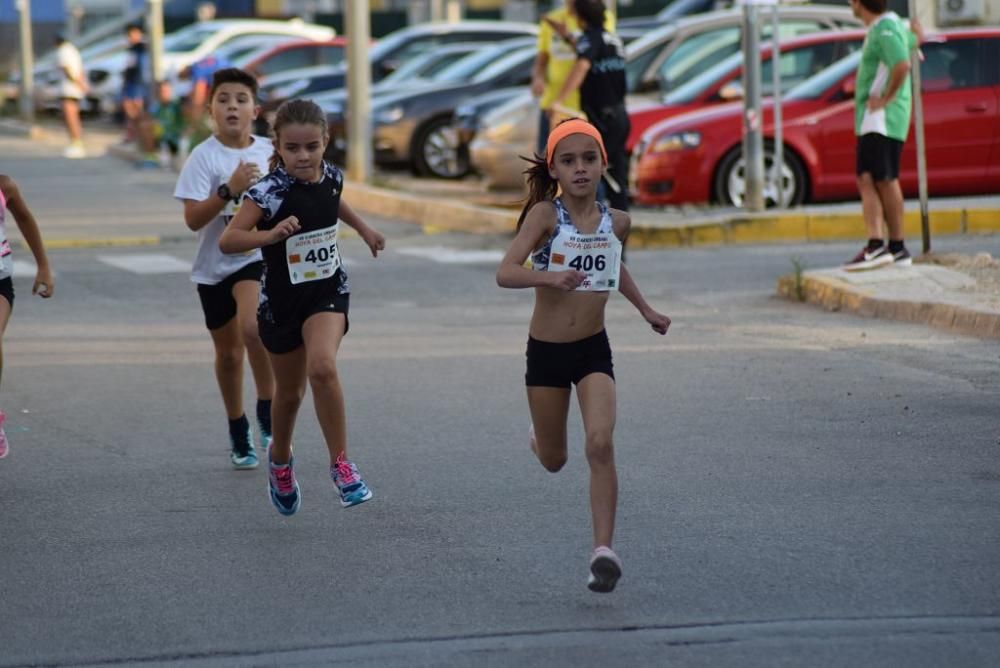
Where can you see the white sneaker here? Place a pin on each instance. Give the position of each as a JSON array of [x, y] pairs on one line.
[[74, 151], [605, 569]]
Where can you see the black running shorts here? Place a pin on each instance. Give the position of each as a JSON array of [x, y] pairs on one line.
[[563, 364], [879, 156], [282, 333], [7, 290], [217, 301]]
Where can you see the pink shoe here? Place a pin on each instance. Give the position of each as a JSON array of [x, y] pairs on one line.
[[4, 446]]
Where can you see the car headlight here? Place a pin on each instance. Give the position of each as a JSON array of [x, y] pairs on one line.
[[389, 115], [679, 141]]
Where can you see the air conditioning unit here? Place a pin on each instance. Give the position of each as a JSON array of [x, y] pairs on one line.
[[961, 12]]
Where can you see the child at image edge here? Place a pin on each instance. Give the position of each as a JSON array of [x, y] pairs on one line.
[[575, 247], [292, 214], [215, 176], [11, 198]]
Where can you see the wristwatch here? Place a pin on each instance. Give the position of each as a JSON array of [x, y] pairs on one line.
[[224, 192]]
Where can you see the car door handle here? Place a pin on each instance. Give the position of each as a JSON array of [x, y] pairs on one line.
[[976, 108]]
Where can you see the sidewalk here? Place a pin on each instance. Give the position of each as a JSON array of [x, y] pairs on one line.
[[954, 293]]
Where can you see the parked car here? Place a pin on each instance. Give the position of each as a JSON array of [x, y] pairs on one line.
[[673, 54], [420, 70], [195, 42], [673, 11], [504, 135], [390, 52], [697, 157], [298, 55], [468, 116], [414, 126], [801, 57]]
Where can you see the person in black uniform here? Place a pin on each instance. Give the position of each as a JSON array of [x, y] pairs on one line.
[[599, 73], [304, 292]]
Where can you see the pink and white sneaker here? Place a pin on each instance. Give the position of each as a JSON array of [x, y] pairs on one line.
[[605, 569], [4, 446]]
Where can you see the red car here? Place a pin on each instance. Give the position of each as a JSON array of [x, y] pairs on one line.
[[801, 57], [298, 55], [697, 157]]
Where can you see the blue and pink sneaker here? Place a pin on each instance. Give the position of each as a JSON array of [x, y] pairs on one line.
[[282, 487], [352, 488]]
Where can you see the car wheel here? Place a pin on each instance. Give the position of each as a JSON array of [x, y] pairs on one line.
[[436, 151], [730, 178]]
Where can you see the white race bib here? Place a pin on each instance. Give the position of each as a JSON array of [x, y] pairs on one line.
[[312, 256], [598, 255]]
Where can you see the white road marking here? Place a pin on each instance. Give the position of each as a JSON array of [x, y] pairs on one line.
[[453, 255], [147, 263]]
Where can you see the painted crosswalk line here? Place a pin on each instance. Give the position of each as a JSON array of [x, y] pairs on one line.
[[147, 263], [453, 255]]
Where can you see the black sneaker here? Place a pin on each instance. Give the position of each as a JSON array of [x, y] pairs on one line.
[[870, 259], [902, 258]]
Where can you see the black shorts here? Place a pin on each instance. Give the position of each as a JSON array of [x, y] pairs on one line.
[[282, 333], [217, 301], [879, 156], [562, 364], [7, 290]]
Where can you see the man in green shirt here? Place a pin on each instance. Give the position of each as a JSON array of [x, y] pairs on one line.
[[882, 104]]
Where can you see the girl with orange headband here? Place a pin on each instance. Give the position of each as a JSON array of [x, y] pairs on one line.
[[575, 246]]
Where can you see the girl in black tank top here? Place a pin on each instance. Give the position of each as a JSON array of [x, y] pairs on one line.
[[292, 215]]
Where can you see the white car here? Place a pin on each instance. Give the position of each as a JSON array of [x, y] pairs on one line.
[[195, 42]]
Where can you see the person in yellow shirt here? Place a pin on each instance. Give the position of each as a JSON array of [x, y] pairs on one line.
[[556, 55]]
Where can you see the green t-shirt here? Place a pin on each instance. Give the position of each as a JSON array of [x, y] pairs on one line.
[[888, 42]]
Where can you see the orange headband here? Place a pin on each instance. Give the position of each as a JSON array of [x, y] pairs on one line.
[[572, 127]]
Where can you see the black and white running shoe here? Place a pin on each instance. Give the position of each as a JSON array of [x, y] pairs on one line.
[[902, 258]]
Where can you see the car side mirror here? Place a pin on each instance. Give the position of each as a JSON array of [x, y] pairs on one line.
[[389, 66], [849, 88], [731, 92]]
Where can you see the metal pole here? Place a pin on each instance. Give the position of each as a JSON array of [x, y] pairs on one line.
[[359, 125], [437, 10], [778, 162], [918, 130], [26, 100], [453, 11], [753, 139], [154, 23]]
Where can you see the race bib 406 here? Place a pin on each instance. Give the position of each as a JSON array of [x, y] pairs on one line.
[[597, 255]]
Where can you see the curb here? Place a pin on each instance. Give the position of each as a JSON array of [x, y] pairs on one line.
[[835, 295], [16, 128]]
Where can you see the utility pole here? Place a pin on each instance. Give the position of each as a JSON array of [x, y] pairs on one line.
[[918, 128], [154, 23], [27, 93], [359, 73], [753, 137], [778, 162], [453, 11]]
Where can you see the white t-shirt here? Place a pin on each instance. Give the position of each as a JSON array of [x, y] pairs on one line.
[[69, 59], [210, 165]]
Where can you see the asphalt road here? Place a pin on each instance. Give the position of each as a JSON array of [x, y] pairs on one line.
[[798, 487]]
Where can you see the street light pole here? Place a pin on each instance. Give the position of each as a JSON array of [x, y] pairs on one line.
[[918, 127], [27, 92], [753, 137], [154, 21], [359, 127]]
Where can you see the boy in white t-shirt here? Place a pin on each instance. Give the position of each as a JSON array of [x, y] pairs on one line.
[[72, 88], [210, 185]]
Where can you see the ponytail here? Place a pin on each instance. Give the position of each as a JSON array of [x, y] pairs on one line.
[[541, 185], [275, 159]]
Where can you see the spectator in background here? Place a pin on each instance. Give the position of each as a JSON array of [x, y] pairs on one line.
[[599, 75], [556, 54], [134, 78], [72, 89], [200, 74], [161, 130]]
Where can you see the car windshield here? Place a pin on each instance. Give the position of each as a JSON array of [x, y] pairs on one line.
[[695, 88], [188, 39], [468, 67], [814, 87], [504, 65]]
